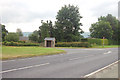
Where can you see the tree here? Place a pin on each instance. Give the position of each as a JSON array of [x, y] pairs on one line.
[[113, 22], [44, 31], [67, 26], [34, 36], [19, 31], [12, 37], [101, 29], [51, 29], [4, 32]]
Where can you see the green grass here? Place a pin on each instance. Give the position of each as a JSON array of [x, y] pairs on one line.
[[97, 46], [106, 46], [21, 52]]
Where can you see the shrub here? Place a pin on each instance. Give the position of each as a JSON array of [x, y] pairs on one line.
[[20, 44], [94, 41], [105, 41], [98, 41], [84, 40], [12, 37], [72, 44], [113, 42]]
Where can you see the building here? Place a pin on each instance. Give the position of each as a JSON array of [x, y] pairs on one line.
[[119, 10], [49, 42]]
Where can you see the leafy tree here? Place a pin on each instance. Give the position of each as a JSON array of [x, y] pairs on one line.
[[12, 37], [4, 32], [44, 31], [19, 31], [113, 22], [67, 26], [101, 29], [51, 29], [34, 36]]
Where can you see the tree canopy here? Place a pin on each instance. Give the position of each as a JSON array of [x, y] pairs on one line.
[[67, 26], [12, 37], [4, 32], [107, 26], [101, 29], [34, 36]]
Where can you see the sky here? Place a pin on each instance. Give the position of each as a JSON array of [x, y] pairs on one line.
[[27, 14]]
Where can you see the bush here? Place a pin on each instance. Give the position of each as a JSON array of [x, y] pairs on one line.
[[12, 37], [98, 41], [72, 44], [113, 42], [20, 44], [84, 40], [105, 41]]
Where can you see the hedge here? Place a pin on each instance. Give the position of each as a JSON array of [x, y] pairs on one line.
[[113, 42], [19, 44], [72, 44], [95, 41]]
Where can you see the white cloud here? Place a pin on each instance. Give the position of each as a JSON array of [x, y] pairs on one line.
[[27, 14]]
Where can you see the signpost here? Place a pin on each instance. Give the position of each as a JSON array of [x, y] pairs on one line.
[[103, 41]]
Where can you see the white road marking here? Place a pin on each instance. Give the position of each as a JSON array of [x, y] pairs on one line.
[[86, 76], [8, 60], [107, 52], [80, 57], [93, 49], [24, 68]]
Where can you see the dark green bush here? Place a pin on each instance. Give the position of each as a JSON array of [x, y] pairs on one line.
[[84, 40], [21, 41], [72, 44]]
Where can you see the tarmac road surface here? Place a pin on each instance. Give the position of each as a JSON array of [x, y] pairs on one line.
[[74, 64]]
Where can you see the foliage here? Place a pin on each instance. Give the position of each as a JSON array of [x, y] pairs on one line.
[[113, 42], [95, 41], [4, 32], [19, 31], [72, 44], [84, 40], [101, 29], [98, 41], [67, 26], [113, 23], [34, 36], [109, 28], [19, 44], [45, 30], [12, 37]]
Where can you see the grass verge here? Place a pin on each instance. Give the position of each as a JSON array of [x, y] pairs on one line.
[[97, 46], [106, 46], [22, 52]]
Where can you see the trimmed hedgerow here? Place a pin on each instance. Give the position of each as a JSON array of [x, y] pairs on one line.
[[72, 44], [95, 41], [19, 44]]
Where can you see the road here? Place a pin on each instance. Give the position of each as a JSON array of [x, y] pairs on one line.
[[76, 63]]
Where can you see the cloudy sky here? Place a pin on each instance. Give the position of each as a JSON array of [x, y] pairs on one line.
[[27, 14]]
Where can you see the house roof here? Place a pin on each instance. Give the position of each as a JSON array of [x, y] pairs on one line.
[[52, 39]]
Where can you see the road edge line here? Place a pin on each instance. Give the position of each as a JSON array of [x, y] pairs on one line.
[[86, 76]]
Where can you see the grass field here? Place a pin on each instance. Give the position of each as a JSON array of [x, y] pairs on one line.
[[21, 52]]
